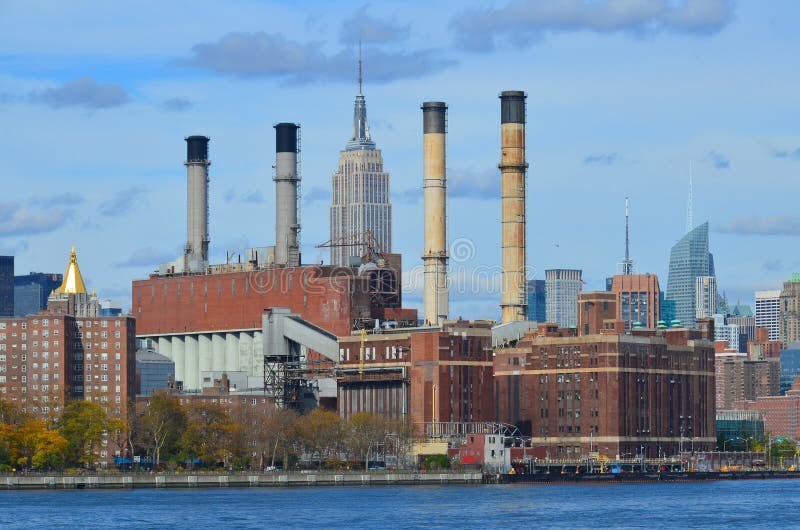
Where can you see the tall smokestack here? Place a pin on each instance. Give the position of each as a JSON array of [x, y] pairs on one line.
[[513, 166], [434, 184], [196, 249], [287, 249]]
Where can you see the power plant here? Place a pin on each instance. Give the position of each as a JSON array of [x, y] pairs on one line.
[[287, 228], [514, 299], [434, 184]]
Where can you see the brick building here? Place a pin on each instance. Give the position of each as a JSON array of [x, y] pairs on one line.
[[762, 347], [739, 377], [54, 356], [428, 375], [213, 322], [617, 394], [781, 413], [638, 299]]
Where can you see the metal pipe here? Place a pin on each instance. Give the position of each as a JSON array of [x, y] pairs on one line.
[[196, 249], [287, 250], [434, 185], [513, 168]]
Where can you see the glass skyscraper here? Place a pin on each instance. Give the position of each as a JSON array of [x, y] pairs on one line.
[[537, 301], [688, 259]]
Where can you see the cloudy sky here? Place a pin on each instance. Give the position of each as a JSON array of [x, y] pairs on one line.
[[96, 98]]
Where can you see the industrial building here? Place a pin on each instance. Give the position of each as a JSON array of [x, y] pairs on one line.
[[607, 392]]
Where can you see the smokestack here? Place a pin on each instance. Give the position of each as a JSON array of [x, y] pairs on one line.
[[287, 249], [434, 185], [196, 249], [514, 303]]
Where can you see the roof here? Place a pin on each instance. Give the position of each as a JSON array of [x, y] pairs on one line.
[[73, 281], [147, 356]]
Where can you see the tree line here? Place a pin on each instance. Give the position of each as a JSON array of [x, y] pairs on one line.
[[164, 433]]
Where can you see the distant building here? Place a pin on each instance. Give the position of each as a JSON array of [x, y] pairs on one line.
[[638, 299], [688, 259], [153, 372], [747, 329], [597, 313], [790, 310], [740, 378], [768, 306], [562, 287], [705, 297], [726, 332], [763, 348], [31, 291], [736, 425], [72, 298], [613, 393], [790, 366], [537, 301], [781, 413], [359, 193], [667, 308], [6, 286]]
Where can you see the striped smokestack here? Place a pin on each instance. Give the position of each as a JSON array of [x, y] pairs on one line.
[[434, 185], [287, 249], [513, 167]]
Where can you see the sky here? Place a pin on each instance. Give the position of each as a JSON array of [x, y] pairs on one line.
[[96, 99]]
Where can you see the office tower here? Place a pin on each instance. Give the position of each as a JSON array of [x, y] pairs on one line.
[[689, 258], [537, 301], [768, 305], [705, 297], [790, 310], [359, 192], [562, 287], [32, 290], [747, 329], [638, 299], [726, 331], [6, 286]]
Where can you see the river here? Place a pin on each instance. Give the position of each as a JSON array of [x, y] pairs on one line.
[[746, 503]]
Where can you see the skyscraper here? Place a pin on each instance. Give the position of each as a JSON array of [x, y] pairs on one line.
[[705, 297], [6, 286], [360, 192], [688, 259], [563, 286], [768, 308], [537, 301], [790, 310], [31, 292]]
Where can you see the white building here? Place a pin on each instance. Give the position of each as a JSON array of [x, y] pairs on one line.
[[561, 294], [705, 296], [359, 193], [768, 309], [726, 332]]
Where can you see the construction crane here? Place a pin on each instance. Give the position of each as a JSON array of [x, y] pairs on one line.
[[372, 250]]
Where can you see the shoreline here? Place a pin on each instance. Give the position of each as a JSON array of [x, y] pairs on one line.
[[288, 480]]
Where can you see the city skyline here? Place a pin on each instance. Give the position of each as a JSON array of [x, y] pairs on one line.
[[619, 103]]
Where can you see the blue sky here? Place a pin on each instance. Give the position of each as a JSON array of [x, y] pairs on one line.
[[96, 98]]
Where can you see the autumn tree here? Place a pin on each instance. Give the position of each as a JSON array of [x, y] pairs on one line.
[[83, 424], [160, 426], [319, 433], [209, 433], [277, 433], [365, 432]]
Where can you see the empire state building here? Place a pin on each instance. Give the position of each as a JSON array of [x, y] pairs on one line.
[[360, 192]]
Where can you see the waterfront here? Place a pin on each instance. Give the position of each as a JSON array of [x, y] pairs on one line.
[[751, 503]]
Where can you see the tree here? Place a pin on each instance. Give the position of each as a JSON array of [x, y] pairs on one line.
[[319, 433], [161, 425], [83, 424], [209, 433], [33, 445], [365, 431], [278, 431]]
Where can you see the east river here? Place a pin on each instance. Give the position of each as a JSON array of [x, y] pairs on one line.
[[723, 504]]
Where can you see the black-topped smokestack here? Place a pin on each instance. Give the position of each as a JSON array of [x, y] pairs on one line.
[[196, 250], [286, 137], [287, 227], [512, 106]]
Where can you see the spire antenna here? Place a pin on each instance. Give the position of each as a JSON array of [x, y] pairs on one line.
[[689, 222], [360, 77], [627, 238]]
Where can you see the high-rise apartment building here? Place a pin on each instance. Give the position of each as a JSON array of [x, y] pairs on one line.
[[562, 287], [725, 331], [638, 299], [790, 310], [705, 297], [360, 193], [537, 301], [6, 286], [688, 259], [32, 290], [768, 309], [747, 329]]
